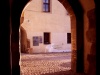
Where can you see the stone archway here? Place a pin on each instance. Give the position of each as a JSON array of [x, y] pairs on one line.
[[77, 29], [77, 46], [77, 26], [73, 33]]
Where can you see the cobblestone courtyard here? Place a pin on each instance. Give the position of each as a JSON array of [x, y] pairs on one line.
[[45, 64]]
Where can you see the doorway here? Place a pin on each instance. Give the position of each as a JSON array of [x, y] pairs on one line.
[[57, 36]]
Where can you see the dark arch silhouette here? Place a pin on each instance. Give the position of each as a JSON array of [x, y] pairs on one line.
[[78, 10], [16, 13], [9, 32], [16, 9]]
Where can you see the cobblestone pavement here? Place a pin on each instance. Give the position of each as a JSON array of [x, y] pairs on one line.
[[45, 64]]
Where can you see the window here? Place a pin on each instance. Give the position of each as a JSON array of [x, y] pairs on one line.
[[68, 37], [35, 41], [46, 5], [46, 38]]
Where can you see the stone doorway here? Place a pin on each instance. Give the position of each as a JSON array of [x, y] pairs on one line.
[[73, 34]]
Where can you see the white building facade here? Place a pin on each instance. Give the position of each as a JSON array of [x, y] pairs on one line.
[[48, 27]]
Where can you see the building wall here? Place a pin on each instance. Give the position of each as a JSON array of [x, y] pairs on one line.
[[57, 22]]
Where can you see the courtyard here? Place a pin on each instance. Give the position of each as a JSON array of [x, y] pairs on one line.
[[46, 64]]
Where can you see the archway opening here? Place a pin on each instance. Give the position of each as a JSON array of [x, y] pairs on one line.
[[30, 50]]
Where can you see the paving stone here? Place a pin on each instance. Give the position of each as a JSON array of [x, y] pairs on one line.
[[45, 64]]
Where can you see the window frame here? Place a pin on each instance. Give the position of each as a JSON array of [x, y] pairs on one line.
[[45, 4], [46, 40], [69, 38]]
